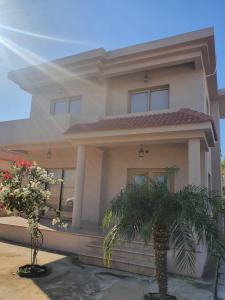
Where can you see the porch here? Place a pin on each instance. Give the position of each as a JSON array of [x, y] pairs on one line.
[[94, 173], [87, 244], [95, 166]]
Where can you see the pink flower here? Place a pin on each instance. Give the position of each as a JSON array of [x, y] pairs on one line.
[[23, 163], [6, 175]]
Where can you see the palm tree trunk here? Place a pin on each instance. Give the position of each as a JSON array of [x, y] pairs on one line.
[[161, 245]]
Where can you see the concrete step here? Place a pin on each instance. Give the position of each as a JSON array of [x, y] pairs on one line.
[[127, 254], [134, 245], [147, 269]]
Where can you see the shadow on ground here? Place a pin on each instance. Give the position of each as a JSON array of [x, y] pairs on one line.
[[67, 280]]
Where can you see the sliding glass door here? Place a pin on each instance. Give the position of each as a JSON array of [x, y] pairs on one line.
[[62, 194]]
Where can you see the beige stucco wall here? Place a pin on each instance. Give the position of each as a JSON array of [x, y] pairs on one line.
[[92, 185], [106, 170], [103, 97], [44, 127], [186, 88], [118, 160], [110, 96], [4, 164], [92, 92], [60, 158]]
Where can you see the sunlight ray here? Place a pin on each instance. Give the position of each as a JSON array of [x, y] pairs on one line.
[[50, 69], [49, 38]]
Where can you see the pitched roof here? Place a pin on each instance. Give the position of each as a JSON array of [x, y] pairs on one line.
[[183, 116]]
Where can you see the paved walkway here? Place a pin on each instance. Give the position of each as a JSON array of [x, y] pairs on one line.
[[221, 280], [68, 280]]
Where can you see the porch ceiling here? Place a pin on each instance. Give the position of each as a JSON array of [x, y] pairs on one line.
[[143, 136]]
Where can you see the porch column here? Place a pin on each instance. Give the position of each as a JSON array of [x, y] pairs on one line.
[[194, 162], [79, 186]]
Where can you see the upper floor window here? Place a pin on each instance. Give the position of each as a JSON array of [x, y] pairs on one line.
[[150, 99], [67, 106]]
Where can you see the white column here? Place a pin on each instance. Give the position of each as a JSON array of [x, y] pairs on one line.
[[194, 162], [79, 186]]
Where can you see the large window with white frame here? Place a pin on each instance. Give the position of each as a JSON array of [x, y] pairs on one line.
[[67, 106], [149, 99]]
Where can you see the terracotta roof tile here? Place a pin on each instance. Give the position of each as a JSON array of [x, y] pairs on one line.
[[181, 117]]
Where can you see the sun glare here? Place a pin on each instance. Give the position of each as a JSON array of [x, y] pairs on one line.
[[50, 69]]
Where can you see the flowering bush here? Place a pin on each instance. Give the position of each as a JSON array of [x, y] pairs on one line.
[[25, 190]]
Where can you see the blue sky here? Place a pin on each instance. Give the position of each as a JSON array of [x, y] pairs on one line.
[[79, 25]]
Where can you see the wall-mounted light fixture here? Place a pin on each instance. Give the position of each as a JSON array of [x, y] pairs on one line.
[[142, 151], [146, 78], [49, 154]]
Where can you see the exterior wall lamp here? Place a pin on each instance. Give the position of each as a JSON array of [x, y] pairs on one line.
[[49, 154], [146, 78], [142, 152]]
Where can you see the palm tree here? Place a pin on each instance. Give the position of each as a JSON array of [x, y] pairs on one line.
[[182, 220]]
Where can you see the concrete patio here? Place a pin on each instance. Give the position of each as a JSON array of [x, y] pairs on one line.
[[70, 280]]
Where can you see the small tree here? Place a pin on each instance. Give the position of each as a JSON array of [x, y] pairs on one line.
[[25, 190], [183, 219]]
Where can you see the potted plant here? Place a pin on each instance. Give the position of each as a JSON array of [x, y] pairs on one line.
[[180, 219], [24, 190]]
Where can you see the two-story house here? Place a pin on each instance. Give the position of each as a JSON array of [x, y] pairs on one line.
[[102, 119]]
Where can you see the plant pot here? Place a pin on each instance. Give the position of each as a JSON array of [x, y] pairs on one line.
[[31, 271], [156, 296]]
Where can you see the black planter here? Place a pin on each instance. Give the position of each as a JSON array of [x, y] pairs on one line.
[[156, 296], [30, 271]]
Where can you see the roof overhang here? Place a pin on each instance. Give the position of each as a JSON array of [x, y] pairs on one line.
[[194, 48], [181, 133]]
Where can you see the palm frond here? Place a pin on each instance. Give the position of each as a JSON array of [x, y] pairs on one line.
[[202, 210], [191, 214], [183, 241]]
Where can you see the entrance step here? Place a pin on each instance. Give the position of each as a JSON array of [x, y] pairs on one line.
[[118, 264], [131, 257], [123, 253]]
